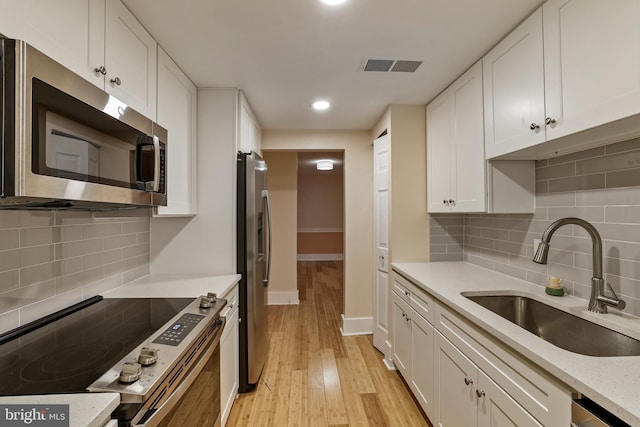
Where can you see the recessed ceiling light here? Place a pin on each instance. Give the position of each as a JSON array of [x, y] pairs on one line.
[[321, 105], [324, 165], [333, 2]]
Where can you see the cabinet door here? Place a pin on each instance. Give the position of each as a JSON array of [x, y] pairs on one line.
[[130, 60], [513, 74], [69, 31], [455, 385], [401, 337], [177, 104], [497, 409], [439, 137], [592, 62], [468, 182], [229, 365], [422, 343], [245, 126]]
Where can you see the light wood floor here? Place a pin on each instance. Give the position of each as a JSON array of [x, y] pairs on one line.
[[316, 377]]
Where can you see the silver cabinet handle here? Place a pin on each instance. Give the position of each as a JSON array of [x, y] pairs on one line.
[[534, 126], [550, 121], [100, 70], [452, 202], [116, 81], [445, 202], [468, 381], [480, 393]]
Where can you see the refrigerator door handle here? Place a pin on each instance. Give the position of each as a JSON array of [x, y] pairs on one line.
[[265, 197]]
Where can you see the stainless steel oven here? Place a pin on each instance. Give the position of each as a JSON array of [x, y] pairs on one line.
[[67, 143], [161, 355]]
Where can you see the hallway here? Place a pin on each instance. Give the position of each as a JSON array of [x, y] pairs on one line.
[[316, 377]]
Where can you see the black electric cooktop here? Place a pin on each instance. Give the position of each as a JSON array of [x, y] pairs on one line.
[[67, 355]]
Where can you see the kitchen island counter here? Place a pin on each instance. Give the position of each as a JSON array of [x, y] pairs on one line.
[[612, 382]]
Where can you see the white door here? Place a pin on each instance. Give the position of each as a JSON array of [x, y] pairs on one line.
[[422, 350], [402, 337], [381, 220], [513, 74], [591, 61]]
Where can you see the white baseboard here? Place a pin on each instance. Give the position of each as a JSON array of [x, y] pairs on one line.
[[283, 298], [356, 326], [388, 358], [320, 257]]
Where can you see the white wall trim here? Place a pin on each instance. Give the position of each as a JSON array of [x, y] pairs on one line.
[[320, 230], [388, 359], [356, 326], [320, 257], [283, 298]]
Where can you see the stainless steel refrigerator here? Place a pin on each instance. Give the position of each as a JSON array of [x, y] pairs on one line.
[[254, 262]]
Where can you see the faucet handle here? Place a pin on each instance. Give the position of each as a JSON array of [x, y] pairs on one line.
[[615, 301]]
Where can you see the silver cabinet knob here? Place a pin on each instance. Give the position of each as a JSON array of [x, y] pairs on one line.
[[100, 70], [468, 381], [550, 121], [116, 81], [445, 202], [451, 202], [480, 393], [534, 126]]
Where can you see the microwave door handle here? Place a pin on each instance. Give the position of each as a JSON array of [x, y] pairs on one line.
[[156, 167]]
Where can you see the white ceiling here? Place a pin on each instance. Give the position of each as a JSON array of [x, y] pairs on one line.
[[285, 53]]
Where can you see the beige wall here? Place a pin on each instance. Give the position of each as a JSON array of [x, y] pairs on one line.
[[320, 201], [282, 183], [358, 196]]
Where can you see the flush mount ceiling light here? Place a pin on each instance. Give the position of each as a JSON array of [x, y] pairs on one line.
[[333, 2], [324, 165], [321, 105]]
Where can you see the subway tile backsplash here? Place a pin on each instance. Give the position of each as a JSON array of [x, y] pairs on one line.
[[52, 259], [600, 185]]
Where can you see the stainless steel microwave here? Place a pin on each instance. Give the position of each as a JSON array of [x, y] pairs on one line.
[[68, 144]]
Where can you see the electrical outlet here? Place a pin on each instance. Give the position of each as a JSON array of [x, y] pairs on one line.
[[536, 242]]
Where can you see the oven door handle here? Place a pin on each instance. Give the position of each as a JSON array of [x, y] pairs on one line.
[[177, 394]]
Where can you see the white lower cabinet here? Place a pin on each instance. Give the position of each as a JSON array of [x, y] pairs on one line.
[[461, 376], [413, 341], [229, 343], [466, 396]]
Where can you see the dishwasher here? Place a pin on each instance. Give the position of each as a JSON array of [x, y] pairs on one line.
[[586, 413]]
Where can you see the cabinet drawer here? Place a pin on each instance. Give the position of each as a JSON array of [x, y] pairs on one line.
[[417, 299], [546, 399]]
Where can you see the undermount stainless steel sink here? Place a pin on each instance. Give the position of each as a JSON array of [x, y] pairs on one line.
[[559, 328]]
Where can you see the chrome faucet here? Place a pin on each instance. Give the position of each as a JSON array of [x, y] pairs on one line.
[[598, 301]]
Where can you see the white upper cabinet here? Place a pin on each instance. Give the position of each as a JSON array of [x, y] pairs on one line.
[[177, 112], [514, 90], [69, 31], [99, 40], [130, 58], [455, 147], [570, 68], [591, 62], [249, 131]]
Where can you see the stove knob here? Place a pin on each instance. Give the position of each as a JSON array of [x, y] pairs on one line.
[[148, 356], [131, 372], [208, 301]]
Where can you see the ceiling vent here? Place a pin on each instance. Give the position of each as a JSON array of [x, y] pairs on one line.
[[390, 65]]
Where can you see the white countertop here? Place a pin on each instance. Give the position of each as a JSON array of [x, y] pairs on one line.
[[85, 410], [612, 382], [174, 286]]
